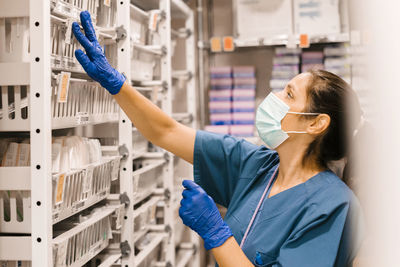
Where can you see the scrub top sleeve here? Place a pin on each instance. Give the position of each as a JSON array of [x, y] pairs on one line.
[[318, 243], [218, 163]]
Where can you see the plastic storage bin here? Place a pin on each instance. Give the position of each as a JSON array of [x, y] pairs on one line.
[[147, 177], [73, 192], [143, 64], [81, 241], [85, 103]]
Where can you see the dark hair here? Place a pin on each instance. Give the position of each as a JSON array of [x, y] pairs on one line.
[[329, 94]]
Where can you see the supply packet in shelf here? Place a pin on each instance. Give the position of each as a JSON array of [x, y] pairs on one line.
[[56, 151], [23, 154], [10, 156]]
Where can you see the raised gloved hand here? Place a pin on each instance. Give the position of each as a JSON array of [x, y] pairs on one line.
[[94, 62], [199, 212]]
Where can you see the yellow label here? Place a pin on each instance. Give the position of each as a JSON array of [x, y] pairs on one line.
[[216, 44], [154, 18], [107, 2], [60, 188], [63, 87]]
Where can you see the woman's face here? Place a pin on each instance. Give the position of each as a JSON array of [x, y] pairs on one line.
[[295, 96]]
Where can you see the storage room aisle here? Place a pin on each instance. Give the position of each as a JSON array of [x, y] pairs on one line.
[[81, 185]]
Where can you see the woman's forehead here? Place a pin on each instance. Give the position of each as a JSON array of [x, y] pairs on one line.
[[300, 82]]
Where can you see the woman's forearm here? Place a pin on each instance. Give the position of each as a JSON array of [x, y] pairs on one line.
[[156, 125], [230, 255]]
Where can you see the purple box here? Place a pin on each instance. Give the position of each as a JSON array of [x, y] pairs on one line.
[[243, 118], [220, 106], [243, 95], [221, 72], [220, 95], [221, 119], [243, 106], [244, 81], [312, 55], [221, 84], [244, 72]]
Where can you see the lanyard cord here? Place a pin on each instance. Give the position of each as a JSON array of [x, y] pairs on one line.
[[258, 207]]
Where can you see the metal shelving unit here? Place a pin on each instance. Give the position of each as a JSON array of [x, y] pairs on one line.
[[50, 232], [134, 226]]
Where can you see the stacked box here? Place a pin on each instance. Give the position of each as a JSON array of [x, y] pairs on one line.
[[232, 100], [243, 101], [285, 67], [312, 60], [337, 60], [220, 104]]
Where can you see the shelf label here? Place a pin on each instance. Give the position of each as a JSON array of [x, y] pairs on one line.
[[115, 169], [120, 216], [304, 41], [60, 189], [216, 44], [153, 20], [68, 32], [88, 178], [63, 87], [82, 118], [229, 45]]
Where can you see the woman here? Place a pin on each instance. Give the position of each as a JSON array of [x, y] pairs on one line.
[[285, 208]]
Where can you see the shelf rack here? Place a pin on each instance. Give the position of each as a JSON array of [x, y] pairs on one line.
[[50, 230]]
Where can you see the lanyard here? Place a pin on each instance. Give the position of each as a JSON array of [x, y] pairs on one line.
[[258, 207]]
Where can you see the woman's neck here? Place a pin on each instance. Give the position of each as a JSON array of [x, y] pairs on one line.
[[292, 170]]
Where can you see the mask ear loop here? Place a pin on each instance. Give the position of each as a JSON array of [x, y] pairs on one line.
[[295, 132]]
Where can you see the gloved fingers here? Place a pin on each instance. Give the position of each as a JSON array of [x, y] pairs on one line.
[[87, 25], [83, 59], [181, 213], [186, 193], [81, 38], [189, 184]]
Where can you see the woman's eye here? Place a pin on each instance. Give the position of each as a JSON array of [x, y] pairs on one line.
[[289, 95]]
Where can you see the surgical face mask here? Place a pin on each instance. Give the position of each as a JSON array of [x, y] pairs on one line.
[[268, 121]]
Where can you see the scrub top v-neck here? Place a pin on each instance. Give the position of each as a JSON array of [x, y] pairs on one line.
[[316, 223]]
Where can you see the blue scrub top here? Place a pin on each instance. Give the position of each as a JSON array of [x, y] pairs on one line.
[[316, 223]]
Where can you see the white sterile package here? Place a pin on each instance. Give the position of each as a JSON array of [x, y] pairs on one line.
[[11, 155], [316, 17], [95, 150], [24, 150], [262, 19], [56, 151]]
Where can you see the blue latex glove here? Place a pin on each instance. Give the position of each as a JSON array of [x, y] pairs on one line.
[[199, 212], [94, 62]]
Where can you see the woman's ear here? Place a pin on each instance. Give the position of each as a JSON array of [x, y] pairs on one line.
[[319, 124]]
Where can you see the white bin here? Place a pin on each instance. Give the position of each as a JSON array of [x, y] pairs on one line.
[[143, 64]]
